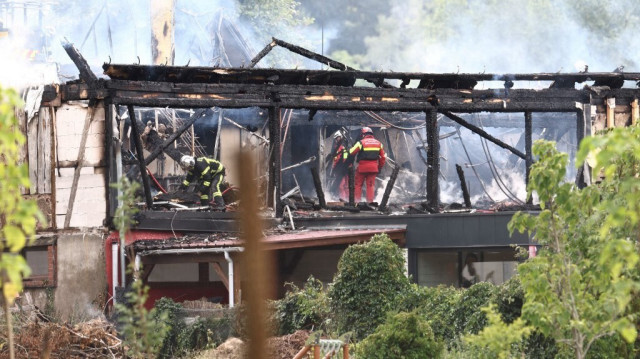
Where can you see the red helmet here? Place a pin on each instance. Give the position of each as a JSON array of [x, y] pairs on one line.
[[366, 131]]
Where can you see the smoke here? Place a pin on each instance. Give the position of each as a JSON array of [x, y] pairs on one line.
[[506, 36]]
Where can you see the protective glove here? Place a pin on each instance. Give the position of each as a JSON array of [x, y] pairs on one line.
[[183, 187]]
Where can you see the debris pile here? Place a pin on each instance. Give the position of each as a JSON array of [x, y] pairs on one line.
[[42, 339]]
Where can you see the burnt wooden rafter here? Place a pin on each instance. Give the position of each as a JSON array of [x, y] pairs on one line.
[[85, 70], [345, 77], [483, 134]]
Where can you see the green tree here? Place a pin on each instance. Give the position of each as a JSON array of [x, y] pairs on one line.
[[578, 289], [369, 280], [18, 216]]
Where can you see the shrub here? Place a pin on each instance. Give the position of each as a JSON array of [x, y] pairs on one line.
[[203, 333], [437, 305], [369, 280], [303, 308], [468, 315], [402, 335]]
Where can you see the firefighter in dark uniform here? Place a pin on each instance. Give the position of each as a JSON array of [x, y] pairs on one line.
[[370, 158], [209, 174]]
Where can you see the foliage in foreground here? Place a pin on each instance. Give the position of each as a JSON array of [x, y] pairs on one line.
[[369, 280], [143, 330], [402, 335], [18, 216], [579, 288]]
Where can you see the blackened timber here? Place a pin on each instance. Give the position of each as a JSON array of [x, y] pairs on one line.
[[291, 76], [133, 172], [387, 190], [267, 49], [463, 186], [378, 81], [275, 166], [318, 185], [483, 134], [433, 159], [85, 70], [528, 143], [582, 121], [135, 133], [352, 186]]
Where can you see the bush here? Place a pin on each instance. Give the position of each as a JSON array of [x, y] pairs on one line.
[[437, 305], [369, 280], [468, 315], [203, 333], [403, 335], [508, 300], [303, 308]]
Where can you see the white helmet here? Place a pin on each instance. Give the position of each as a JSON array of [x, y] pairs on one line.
[[337, 135], [187, 162]]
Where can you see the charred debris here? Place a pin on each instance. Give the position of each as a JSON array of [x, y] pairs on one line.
[[289, 116]]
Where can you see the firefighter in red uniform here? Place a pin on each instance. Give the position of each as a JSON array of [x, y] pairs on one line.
[[340, 168], [370, 159]]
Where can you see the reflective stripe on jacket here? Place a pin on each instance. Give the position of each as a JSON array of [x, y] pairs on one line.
[[204, 170], [370, 153]]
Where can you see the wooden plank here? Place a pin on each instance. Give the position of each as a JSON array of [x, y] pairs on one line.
[[76, 175], [52, 165], [24, 149], [223, 277], [32, 143], [44, 151]]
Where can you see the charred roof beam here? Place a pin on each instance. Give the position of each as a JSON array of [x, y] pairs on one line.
[[86, 74], [483, 133]]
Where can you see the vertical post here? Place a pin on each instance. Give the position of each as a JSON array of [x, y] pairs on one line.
[[463, 185], [273, 193], [583, 118], [528, 138], [611, 112], [143, 168], [318, 185], [433, 160], [352, 186], [635, 112], [387, 190], [111, 147]]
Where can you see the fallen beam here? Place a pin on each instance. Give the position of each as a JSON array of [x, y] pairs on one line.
[[133, 172], [138, 142], [483, 134]]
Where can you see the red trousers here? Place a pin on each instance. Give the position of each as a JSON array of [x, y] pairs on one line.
[[370, 179], [344, 188]]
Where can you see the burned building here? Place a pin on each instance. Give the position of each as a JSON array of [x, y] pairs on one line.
[[91, 132]]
